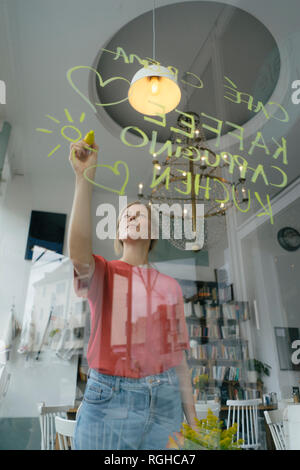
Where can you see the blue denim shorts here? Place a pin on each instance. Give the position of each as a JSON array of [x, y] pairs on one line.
[[121, 413]]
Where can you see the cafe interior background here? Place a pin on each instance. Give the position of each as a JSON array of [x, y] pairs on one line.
[[237, 63]]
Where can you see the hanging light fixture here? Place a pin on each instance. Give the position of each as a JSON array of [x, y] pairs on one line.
[[154, 88]]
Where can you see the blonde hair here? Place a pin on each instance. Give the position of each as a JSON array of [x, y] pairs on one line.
[[118, 244]]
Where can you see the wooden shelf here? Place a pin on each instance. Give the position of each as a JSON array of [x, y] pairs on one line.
[[197, 298], [215, 340], [228, 361], [204, 318]]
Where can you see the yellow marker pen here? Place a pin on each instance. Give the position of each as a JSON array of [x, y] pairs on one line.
[[90, 138]]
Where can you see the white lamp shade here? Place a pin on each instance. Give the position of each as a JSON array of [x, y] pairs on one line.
[[154, 90]]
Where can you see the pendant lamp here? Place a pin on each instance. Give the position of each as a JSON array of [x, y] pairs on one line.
[[154, 89]]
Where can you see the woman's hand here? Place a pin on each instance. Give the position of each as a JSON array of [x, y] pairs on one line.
[[83, 156]]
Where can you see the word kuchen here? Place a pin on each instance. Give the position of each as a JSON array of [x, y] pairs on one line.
[[164, 178]]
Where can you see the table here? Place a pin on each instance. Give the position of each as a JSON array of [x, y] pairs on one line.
[[260, 407]]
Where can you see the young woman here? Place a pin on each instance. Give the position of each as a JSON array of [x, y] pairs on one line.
[[138, 380]]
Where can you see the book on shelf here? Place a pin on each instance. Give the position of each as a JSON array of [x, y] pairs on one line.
[[230, 331], [237, 352], [187, 309], [242, 393], [212, 331], [212, 312], [198, 310], [238, 311], [200, 370], [235, 311], [218, 373]]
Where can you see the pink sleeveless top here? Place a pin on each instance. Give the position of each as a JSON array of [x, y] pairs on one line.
[[138, 326]]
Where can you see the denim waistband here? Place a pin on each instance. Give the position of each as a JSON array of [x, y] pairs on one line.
[[115, 381]]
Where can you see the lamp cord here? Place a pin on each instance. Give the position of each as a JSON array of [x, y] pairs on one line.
[[153, 28]]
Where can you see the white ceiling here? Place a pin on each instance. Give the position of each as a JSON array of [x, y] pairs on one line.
[[41, 40], [209, 51]]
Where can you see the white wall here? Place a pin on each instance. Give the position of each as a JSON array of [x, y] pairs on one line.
[[30, 382], [271, 281], [45, 380]]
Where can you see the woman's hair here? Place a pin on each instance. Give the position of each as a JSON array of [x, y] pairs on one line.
[[118, 244]]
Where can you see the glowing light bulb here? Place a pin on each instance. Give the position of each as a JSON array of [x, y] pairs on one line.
[[222, 205], [196, 247], [203, 163], [140, 188], [154, 85]]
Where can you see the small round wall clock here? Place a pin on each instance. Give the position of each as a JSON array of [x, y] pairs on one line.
[[289, 238]]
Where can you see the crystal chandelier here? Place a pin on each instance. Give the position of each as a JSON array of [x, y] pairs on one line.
[[206, 182]]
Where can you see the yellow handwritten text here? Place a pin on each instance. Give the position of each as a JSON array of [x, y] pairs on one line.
[[276, 110]]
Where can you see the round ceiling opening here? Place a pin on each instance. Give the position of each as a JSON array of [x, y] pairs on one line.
[[213, 48]]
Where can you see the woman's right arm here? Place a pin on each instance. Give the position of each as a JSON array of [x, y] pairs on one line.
[[80, 227]]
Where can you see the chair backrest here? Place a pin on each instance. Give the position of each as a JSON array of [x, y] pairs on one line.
[[65, 432], [291, 426], [47, 424], [245, 414], [274, 420], [77, 412], [4, 381]]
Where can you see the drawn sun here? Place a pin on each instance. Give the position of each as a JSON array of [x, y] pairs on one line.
[[64, 129]]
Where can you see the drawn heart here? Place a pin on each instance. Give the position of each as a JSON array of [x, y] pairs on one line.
[[114, 169], [102, 83]]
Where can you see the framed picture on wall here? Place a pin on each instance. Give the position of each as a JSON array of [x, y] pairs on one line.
[[46, 229], [285, 337]]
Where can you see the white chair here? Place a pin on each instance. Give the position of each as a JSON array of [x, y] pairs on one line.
[[47, 424], [78, 410], [4, 381], [245, 414], [65, 432], [291, 426], [274, 420]]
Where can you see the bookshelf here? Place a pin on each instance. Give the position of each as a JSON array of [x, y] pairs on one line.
[[218, 346]]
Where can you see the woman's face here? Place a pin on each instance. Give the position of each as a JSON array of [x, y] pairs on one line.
[[135, 223]]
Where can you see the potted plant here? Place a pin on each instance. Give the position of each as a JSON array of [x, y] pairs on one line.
[[206, 434], [261, 369], [201, 383]]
